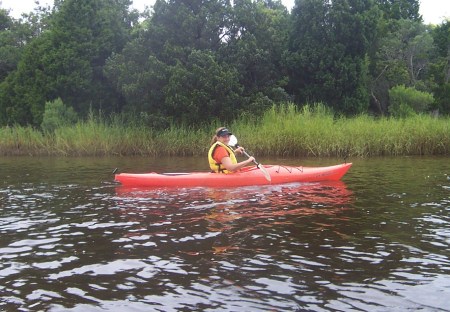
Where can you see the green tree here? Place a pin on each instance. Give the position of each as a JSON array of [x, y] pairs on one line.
[[160, 71], [440, 69], [67, 61], [402, 58], [401, 9], [8, 45], [177, 27], [255, 47], [328, 52], [16, 34], [84, 34], [202, 89]]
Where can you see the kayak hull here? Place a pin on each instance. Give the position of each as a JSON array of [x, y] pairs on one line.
[[247, 176]]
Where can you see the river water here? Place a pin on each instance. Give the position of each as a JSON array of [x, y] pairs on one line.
[[73, 240]]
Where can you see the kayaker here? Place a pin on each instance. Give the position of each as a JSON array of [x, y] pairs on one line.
[[221, 157]]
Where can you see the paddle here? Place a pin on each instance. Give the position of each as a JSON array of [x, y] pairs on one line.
[[233, 142]]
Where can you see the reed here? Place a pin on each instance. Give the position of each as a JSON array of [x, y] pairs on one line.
[[22, 141], [98, 137], [314, 131], [283, 130]]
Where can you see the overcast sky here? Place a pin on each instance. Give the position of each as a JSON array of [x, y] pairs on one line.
[[433, 11]]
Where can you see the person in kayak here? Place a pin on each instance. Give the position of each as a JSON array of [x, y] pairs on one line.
[[221, 157]]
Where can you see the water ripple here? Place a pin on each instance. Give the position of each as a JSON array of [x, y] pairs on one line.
[[369, 245]]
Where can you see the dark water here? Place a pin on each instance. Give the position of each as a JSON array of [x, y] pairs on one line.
[[71, 240]]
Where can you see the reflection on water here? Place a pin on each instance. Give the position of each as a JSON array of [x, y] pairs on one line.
[[231, 216], [378, 241]]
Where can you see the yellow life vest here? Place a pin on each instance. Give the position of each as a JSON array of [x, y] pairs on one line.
[[217, 167]]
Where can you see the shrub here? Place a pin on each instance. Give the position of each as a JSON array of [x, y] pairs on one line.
[[405, 101], [57, 115]]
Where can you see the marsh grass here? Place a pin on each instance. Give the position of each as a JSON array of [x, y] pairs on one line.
[[22, 141], [281, 131], [314, 131]]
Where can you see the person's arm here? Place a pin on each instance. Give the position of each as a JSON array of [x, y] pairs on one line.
[[228, 164]]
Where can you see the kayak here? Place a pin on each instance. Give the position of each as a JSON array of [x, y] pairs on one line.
[[279, 174]]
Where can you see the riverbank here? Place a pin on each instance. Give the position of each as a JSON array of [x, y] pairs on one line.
[[281, 131]]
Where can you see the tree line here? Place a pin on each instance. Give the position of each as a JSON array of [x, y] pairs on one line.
[[190, 62]]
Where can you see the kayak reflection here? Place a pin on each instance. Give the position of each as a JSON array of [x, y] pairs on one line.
[[229, 218], [277, 197]]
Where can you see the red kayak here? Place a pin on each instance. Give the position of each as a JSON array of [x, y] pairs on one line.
[[247, 176]]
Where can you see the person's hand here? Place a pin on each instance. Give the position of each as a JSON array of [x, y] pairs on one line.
[[239, 150], [251, 159]]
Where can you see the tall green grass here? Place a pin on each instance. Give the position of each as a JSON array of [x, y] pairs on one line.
[[22, 141], [315, 131], [281, 131]]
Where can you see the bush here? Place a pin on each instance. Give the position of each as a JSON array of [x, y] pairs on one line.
[[57, 115], [406, 101]]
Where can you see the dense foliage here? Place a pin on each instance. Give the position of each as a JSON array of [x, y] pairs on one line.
[[408, 101], [192, 62]]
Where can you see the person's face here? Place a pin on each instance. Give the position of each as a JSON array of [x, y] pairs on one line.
[[224, 138]]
